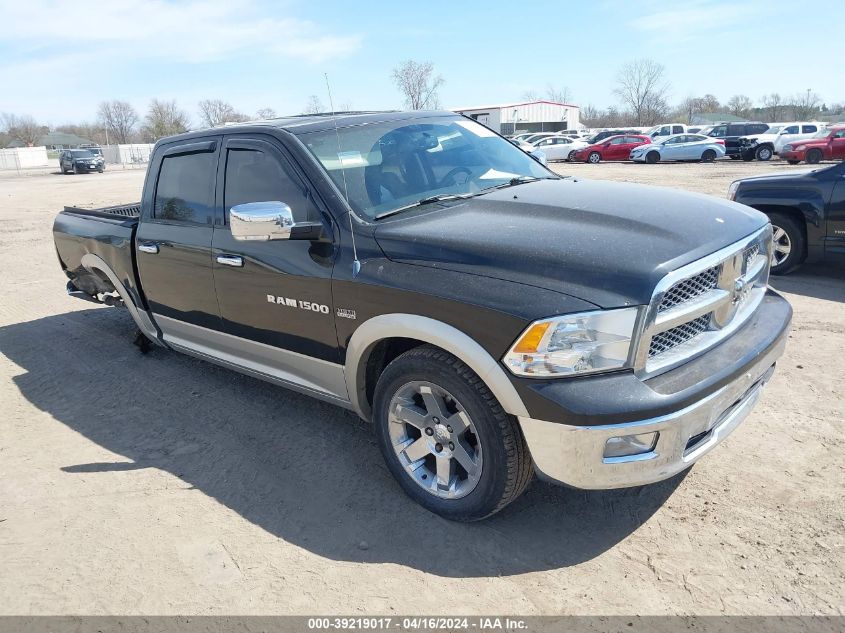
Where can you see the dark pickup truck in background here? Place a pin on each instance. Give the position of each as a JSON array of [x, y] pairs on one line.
[[807, 212], [491, 318]]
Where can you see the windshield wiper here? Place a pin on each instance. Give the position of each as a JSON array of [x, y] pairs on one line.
[[520, 180], [440, 197]]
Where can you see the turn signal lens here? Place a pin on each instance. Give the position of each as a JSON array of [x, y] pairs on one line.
[[530, 341]]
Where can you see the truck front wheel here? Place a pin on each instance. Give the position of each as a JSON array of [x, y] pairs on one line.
[[445, 437], [789, 243]]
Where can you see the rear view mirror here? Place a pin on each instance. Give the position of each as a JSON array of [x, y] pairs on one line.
[[261, 221]]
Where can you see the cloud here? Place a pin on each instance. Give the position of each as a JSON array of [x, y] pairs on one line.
[[188, 32], [695, 17]]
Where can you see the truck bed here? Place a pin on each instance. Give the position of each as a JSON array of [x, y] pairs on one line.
[[108, 233], [132, 210]]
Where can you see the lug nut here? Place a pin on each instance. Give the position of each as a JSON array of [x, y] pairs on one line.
[[429, 431], [436, 420], [451, 446], [449, 428], [438, 447]]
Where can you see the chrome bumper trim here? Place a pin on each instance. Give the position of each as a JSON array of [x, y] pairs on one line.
[[574, 455]]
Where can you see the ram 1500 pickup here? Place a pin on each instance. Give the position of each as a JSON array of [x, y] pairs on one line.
[[491, 318]]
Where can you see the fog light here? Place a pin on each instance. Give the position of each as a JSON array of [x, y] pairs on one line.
[[628, 445]]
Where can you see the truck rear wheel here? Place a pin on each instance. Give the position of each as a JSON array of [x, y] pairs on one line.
[[445, 437]]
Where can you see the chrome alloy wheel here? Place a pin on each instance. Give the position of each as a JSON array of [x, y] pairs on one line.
[[782, 245], [435, 440]]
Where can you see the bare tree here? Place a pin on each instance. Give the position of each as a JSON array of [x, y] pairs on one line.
[[558, 95], [216, 112], [22, 128], [313, 106], [643, 90], [774, 107], [90, 131], [689, 107], [418, 84], [266, 113], [164, 118], [805, 105], [709, 103], [739, 105], [119, 118], [531, 95]]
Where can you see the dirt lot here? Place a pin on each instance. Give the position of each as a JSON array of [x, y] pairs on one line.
[[165, 485]]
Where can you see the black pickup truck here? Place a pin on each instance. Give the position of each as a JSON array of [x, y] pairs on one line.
[[807, 212], [491, 318]]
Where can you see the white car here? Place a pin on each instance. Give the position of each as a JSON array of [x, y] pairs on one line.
[[680, 147], [559, 147], [528, 148]]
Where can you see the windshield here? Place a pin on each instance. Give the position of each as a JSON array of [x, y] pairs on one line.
[[391, 165], [774, 129], [823, 133], [81, 153]]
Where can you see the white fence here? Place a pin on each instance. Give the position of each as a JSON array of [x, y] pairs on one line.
[[128, 154], [23, 157]]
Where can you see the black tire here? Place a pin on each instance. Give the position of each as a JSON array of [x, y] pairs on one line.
[[506, 468], [764, 153], [652, 157], [594, 158], [747, 158], [793, 162], [708, 156], [76, 170], [571, 156], [794, 233], [814, 156], [100, 170], [733, 157]]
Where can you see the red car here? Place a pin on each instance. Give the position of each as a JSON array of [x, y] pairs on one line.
[[612, 148], [828, 144]]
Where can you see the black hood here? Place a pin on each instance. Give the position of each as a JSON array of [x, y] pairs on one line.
[[604, 242]]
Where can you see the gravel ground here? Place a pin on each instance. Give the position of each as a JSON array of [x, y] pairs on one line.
[[165, 485]]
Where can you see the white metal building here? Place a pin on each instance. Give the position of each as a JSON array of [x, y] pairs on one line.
[[531, 116]]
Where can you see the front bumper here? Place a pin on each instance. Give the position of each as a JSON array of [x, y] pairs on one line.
[[792, 155], [88, 166], [575, 454]]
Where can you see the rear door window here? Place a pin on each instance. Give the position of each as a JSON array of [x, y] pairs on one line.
[[808, 129], [185, 188]]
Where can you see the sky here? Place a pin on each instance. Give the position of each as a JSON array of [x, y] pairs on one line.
[[60, 59]]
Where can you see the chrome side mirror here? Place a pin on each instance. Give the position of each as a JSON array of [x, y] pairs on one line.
[[261, 221]]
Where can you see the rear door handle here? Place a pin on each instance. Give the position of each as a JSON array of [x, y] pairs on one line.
[[231, 260], [148, 247]]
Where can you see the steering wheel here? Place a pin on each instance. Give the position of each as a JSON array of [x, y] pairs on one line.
[[449, 179]]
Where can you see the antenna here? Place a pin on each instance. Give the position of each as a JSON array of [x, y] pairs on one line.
[[356, 265]]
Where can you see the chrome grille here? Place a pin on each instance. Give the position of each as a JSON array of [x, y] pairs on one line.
[[688, 289], [679, 335], [700, 304], [750, 255]]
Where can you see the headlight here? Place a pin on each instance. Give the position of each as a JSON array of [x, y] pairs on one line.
[[801, 148], [732, 190], [787, 148], [574, 344]]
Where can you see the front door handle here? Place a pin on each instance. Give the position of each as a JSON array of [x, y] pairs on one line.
[[148, 247], [231, 260]]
